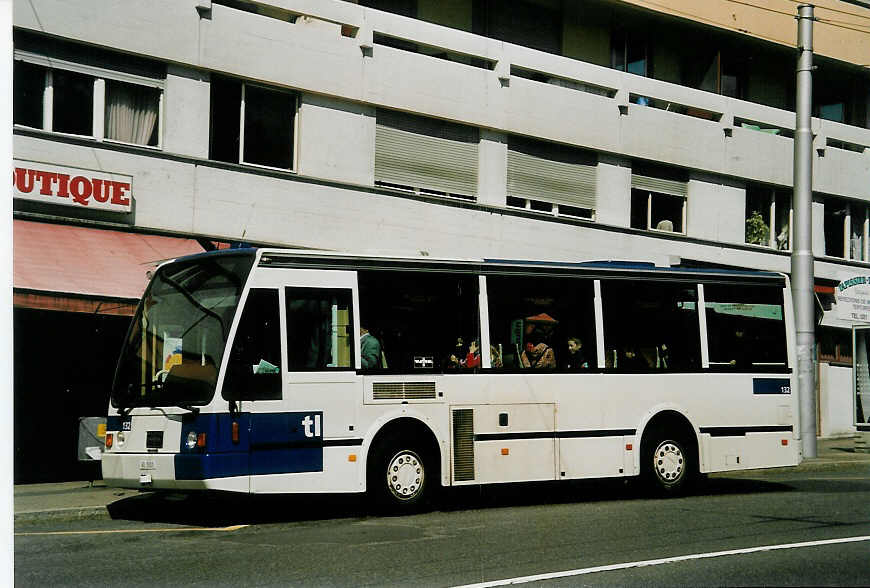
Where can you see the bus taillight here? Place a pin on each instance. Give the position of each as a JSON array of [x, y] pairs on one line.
[[200, 440], [235, 431], [110, 440]]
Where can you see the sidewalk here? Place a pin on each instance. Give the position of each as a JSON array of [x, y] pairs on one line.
[[83, 500]]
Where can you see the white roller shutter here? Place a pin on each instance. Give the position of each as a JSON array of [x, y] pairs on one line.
[[650, 184], [538, 178], [425, 154]]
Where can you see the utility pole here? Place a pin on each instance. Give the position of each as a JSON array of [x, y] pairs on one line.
[[802, 249]]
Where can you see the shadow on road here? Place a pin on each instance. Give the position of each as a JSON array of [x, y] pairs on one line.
[[224, 509]]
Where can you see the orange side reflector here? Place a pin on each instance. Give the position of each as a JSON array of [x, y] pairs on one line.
[[628, 446], [101, 430], [784, 442], [351, 457], [200, 440], [235, 432], [505, 451], [110, 439]]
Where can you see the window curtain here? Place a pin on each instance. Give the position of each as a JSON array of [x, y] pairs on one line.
[[131, 112]]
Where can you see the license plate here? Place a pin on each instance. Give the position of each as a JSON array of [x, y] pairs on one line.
[[146, 464]]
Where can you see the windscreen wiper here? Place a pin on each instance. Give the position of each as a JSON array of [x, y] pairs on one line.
[[190, 407], [125, 410]]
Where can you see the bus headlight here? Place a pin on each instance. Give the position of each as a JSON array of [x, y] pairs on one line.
[[191, 440]]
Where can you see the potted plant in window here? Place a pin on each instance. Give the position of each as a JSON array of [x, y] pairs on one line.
[[757, 231]]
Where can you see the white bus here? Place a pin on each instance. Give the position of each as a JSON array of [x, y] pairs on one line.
[[270, 371]]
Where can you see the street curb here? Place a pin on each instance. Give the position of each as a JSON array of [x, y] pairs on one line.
[[808, 465], [77, 513]]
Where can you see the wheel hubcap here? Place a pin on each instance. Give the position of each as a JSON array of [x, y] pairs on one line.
[[405, 475], [669, 462]]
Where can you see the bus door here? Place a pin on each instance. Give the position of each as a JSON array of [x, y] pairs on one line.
[[318, 390]]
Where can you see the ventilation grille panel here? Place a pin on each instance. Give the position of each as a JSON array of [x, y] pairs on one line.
[[403, 390], [463, 445]]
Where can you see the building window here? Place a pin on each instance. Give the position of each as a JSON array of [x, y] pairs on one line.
[[86, 101], [552, 178], [724, 75], [521, 22], [426, 155], [846, 229], [658, 200], [629, 52], [768, 217], [835, 111], [252, 124]]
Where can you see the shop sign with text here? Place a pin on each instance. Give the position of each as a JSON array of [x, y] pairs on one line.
[[70, 186], [852, 296]]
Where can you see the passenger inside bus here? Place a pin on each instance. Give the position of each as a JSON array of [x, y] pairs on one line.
[[538, 333], [370, 350], [574, 358], [472, 359], [455, 355]]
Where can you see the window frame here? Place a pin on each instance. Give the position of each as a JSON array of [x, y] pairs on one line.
[[289, 366], [620, 40], [852, 207], [649, 208], [99, 75], [770, 217], [294, 140], [527, 204]]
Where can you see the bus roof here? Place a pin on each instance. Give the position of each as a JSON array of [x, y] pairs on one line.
[[276, 256]]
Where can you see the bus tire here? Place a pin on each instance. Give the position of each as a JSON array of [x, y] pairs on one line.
[[400, 478], [669, 464]]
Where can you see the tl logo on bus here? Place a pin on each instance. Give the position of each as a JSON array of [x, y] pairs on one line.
[[306, 425]]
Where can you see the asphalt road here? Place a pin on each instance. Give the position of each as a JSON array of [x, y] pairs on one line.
[[479, 536]]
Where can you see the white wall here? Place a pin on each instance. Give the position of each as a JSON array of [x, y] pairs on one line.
[[336, 140], [186, 111], [492, 170], [613, 192], [729, 202], [835, 401]]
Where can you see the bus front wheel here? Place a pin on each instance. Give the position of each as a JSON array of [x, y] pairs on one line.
[[669, 464], [398, 478]]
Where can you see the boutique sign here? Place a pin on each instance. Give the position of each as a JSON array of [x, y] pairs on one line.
[[69, 186], [853, 299]]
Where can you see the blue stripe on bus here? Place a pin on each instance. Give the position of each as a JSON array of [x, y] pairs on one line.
[[269, 443], [771, 386]]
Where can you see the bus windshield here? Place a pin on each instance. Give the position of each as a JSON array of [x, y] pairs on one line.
[[174, 348]]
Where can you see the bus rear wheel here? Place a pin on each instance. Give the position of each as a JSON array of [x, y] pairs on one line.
[[668, 464], [398, 478]]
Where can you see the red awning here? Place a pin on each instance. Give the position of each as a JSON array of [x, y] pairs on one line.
[[82, 269]]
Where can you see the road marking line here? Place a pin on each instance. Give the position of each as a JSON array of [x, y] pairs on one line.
[[110, 531], [665, 560]]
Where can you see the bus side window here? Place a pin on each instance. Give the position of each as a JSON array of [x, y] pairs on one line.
[[254, 369], [541, 323], [651, 326], [319, 329], [745, 326], [423, 321]]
